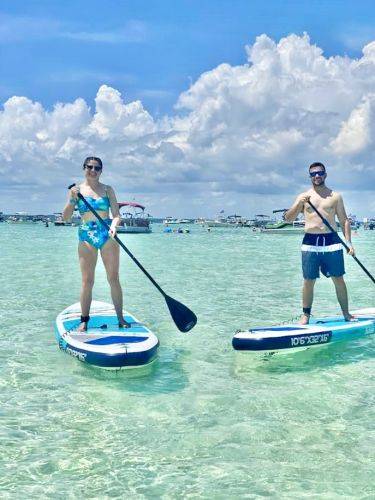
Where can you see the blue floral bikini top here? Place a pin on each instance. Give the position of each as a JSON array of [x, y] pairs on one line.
[[101, 204]]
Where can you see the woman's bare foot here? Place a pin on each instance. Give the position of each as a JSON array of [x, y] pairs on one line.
[[305, 318], [82, 327], [123, 324], [349, 317]]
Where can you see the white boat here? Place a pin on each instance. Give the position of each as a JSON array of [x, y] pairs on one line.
[[260, 221], [20, 220], [283, 227], [134, 220], [201, 221], [229, 221], [170, 220], [59, 221], [221, 222]]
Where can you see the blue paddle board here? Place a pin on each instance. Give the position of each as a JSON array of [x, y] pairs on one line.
[[104, 344], [294, 337]]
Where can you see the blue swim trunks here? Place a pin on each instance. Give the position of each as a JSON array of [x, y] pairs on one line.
[[324, 253], [94, 233]]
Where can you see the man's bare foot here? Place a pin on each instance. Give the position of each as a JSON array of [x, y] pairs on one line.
[[305, 318], [350, 317]]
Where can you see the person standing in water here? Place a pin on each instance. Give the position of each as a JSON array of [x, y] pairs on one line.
[[322, 249], [93, 236]]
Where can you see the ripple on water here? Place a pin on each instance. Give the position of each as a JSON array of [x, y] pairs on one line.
[[202, 420]]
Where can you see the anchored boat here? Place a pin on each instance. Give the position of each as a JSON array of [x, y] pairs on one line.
[[284, 227], [134, 220]]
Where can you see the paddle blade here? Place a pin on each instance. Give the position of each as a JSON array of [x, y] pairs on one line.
[[184, 319]]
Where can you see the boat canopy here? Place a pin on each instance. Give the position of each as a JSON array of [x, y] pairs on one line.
[[130, 204]]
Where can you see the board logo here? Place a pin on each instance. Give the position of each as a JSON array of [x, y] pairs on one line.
[[76, 354], [315, 338]]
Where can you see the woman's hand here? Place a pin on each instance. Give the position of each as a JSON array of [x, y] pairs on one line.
[[74, 192], [112, 231]]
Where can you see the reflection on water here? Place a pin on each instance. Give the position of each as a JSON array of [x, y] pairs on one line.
[[311, 359]]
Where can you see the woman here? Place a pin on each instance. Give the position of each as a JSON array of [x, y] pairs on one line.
[[93, 236]]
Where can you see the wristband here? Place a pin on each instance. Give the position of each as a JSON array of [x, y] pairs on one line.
[[349, 243]]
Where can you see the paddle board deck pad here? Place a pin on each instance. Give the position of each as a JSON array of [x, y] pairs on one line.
[[104, 344], [294, 337]]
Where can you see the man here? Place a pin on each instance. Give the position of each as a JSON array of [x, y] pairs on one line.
[[321, 249]]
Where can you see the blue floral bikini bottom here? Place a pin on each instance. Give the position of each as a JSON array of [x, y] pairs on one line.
[[94, 233]]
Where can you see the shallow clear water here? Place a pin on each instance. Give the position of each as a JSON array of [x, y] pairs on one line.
[[203, 420]]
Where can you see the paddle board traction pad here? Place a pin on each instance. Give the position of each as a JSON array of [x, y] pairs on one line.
[[104, 344], [292, 337]]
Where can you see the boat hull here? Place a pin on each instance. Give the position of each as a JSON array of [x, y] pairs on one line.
[[133, 230]]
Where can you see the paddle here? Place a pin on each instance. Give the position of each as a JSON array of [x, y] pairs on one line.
[[343, 242], [182, 316]]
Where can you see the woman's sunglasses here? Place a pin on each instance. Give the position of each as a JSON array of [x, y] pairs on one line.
[[97, 168]]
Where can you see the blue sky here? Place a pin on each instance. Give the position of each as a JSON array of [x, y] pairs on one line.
[[195, 106], [151, 50]]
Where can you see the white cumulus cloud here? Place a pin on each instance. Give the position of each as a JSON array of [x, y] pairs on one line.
[[237, 132]]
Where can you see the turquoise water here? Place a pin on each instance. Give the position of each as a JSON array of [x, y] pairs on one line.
[[202, 421]]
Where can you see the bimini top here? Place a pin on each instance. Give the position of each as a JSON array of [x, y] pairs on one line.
[[130, 204]]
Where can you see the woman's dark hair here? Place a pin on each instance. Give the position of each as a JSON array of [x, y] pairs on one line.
[[317, 164], [95, 158]]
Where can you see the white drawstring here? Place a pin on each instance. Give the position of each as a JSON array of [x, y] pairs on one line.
[[317, 243]]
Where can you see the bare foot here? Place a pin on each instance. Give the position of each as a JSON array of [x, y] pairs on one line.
[[82, 327], [350, 317], [305, 318], [124, 324]]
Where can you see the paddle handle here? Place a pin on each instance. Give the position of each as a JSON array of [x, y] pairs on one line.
[[343, 242], [92, 209]]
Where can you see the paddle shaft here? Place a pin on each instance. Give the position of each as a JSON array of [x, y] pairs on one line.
[[343, 242], [134, 259]]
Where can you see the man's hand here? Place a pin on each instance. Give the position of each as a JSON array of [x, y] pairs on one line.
[[304, 198], [351, 250], [297, 207]]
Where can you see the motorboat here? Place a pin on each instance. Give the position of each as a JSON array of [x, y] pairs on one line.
[[284, 227], [228, 221], [133, 220], [171, 221]]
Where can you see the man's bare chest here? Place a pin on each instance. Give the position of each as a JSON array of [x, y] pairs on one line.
[[325, 204]]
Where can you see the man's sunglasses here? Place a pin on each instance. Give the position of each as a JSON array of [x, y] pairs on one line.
[[97, 168], [320, 173]]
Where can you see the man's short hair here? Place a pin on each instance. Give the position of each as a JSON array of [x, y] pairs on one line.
[[317, 164]]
